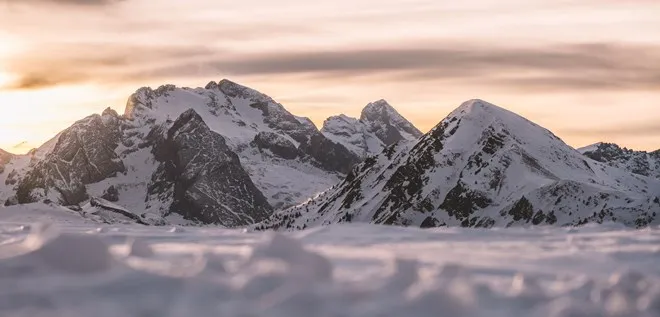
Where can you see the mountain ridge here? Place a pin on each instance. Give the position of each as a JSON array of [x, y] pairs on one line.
[[481, 166], [229, 155], [137, 162]]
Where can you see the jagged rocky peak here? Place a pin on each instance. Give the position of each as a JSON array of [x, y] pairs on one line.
[[638, 162], [482, 166], [387, 123], [343, 125], [218, 101], [341, 118], [605, 152], [266, 136], [379, 126], [109, 112], [82, 154]]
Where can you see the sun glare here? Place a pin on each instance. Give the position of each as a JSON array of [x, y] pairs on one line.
[[5, 79], [36, 115]]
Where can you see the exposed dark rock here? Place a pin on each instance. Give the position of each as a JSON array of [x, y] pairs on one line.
[[384, 121], [522, 210], [638, 162], [430, 222], [11, 201], [277, 144], [330, 155], [111, 194], [461, 202], [101, 204], [203, 177]]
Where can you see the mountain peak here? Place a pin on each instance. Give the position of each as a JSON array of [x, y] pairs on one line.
[[377, 108], [387, 123], [379, 104], [481, 108], [340, 117], [482, 166], [109, 112], [477, 115]]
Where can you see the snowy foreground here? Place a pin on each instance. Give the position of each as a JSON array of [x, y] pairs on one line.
[[75, 268]]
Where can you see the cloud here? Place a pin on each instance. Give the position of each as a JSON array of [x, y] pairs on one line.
[[98, 63], [63, 2], [559, 67]]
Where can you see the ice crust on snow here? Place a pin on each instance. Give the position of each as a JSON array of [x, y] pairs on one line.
[[350, 270]]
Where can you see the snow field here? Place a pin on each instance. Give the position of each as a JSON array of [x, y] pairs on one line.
[[78, 269]]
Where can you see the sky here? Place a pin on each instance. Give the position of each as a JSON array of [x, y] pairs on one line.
[[589, 70]]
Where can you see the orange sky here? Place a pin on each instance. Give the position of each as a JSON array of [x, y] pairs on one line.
[[588, 69]]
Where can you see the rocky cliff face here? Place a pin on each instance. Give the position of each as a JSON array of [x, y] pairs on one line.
[[482, 166], [84, 154], [390, 127], [638, 162], [202, 177]]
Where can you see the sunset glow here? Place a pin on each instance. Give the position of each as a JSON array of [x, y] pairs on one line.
[[587, 70]]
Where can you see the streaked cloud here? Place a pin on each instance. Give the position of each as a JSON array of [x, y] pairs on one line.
[[557, 67], [565, 64], [97, 63], [63, 2]]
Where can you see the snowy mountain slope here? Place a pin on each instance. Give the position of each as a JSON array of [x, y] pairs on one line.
[[353, 134], [379, 126], [9, 163], [5, 158], [255, 127], [223, 154], [10, 173], [482, 166], [638, 162]]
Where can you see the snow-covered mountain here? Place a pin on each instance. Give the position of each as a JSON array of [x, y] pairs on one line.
[[222, 154], [482, 166], [379, 126], [5, 158], [638, 162]]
